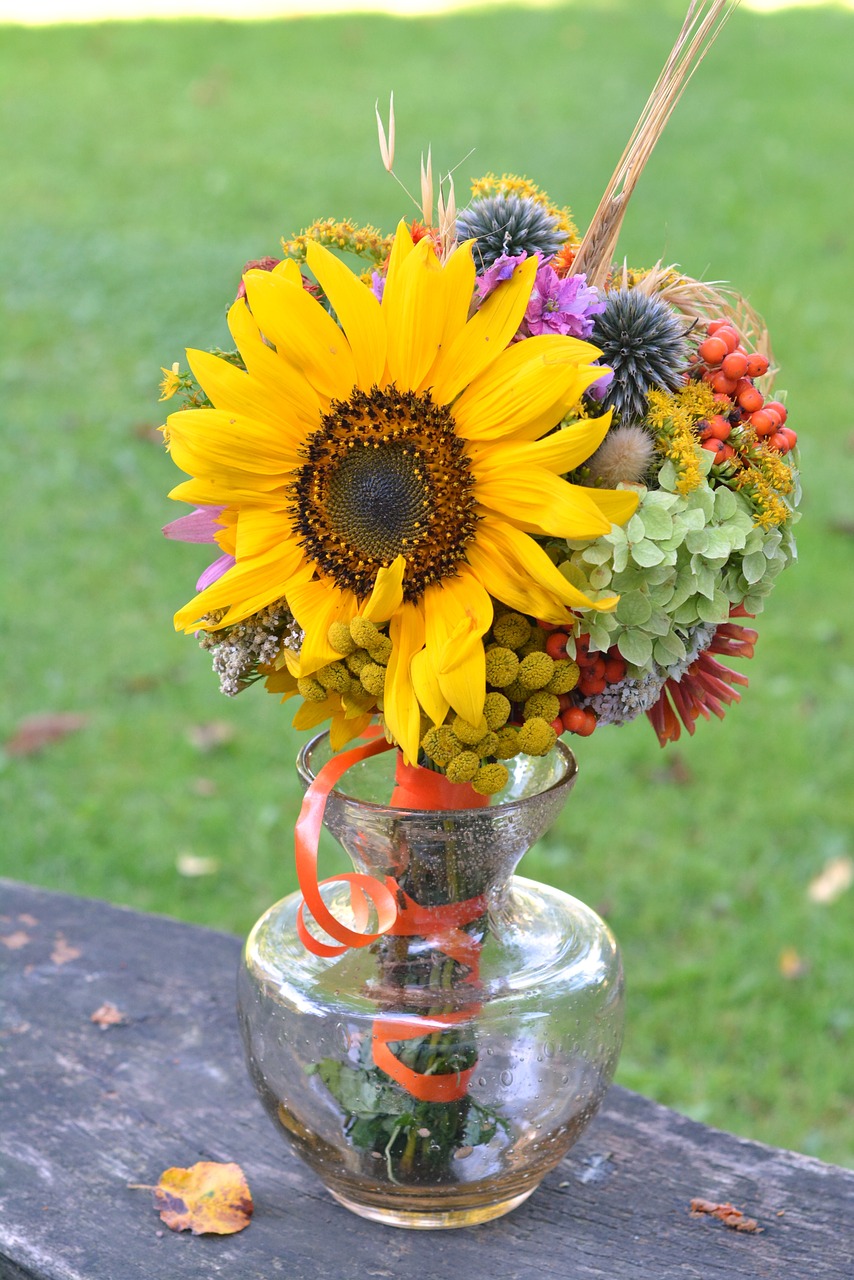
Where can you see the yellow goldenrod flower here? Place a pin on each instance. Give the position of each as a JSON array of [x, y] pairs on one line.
[[392, 467], [171, 381]]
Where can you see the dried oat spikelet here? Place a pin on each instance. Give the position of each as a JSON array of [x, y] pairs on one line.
[[703, 22]]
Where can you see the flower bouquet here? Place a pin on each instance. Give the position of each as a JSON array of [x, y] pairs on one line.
[[475, 488]]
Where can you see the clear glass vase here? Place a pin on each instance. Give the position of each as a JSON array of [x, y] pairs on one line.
[[432, 1078]]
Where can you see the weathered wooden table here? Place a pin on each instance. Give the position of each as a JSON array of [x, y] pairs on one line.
[[86, 1110]]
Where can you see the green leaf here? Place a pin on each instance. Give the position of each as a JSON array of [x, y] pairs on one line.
[[719, 543], [647, 554], [636, 647], [635, 530], [697, 540], [634, 609], [657, 523], [753, 566], [725, 505], [669, 649]]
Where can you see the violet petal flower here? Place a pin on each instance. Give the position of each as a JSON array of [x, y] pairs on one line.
[[600, 386], [377, 285], [200, 525], [565, 306], [215, 571], [501, 269]]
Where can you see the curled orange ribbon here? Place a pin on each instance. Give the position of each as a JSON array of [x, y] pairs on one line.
[[397, 913]]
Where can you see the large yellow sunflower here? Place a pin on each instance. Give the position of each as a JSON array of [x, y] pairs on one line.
[[393, 465]]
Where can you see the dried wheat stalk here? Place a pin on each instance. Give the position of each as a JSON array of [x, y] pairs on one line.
[[702, 24]]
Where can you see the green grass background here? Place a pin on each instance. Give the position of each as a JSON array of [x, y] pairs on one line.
[[140, 166]]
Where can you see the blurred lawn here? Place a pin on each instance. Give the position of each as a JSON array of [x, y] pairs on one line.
[[141, 165]]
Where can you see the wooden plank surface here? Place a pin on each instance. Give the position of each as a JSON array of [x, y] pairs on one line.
[[84, 1111]]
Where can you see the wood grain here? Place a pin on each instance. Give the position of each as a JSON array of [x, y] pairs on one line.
[[85, 1110]]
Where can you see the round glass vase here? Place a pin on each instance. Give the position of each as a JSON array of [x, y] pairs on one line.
[[433, 1077]]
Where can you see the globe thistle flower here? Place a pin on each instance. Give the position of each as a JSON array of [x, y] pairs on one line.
[[509, 225], [644, 343]]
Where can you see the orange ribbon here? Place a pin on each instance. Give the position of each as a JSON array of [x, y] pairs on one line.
[[398, 915]]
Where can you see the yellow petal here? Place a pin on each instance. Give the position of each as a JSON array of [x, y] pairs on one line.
[[358, 312], [485, 336], [244, 589], [617, 505], [458, 613], [344, 729], [561, 451], [531, 377], [260, 530], [400, 704], [229, 388], [303, 333], [537, 500], [425, 682], [387, 594], [505, 559], [225, 493], [414, 312], [316, 604], [225, 446], [290, 387]]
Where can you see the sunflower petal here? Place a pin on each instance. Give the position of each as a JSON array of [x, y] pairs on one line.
[[458, 613], [425, 682], [218, 444], [561, 451], [485, 336], [400, 705], [316, 604], [229, 388], [287, 384], [617, 505], [387, 595], [525, 381], [303, 333], [414, 311], [540, 502], [244, 589], [358, 312], [508, 558]]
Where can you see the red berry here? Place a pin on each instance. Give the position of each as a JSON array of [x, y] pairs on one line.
[[779, 408], [757, 364], [590, 684], [763, 422], [789, 435], [573, 719], [779, 441], [556, 645], [735, 364], [558, 726], [718, 381], [714, 446], [615, 669], [719, 427], [750, 399], [727, 335], [714, 325], [712, 350]]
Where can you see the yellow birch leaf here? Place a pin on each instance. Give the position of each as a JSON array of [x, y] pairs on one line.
[[206, 1198]]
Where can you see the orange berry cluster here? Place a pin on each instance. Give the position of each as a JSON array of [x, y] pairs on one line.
[[597, 671], [729, 371]]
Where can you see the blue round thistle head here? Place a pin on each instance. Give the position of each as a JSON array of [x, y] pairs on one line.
[[509, 225], [644, 343]]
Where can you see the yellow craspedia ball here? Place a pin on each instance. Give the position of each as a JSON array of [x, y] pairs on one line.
[[468, 733], [536, 670], [380, 651], [501, 666], [340, 639], [312, 690], [489, 779], [565, 677], [508, 743], [542, 704], [356, 660], [511, 629], [334, 676], [486, 746], [496, 709], [372, 677], [441, 745], [536, 737], [535, 643], [463, 767], [364, 633]]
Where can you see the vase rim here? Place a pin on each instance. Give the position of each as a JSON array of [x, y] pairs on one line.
[[566, 780]]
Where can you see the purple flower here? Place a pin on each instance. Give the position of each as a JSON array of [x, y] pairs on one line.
[[501, 269], [562, 306], [200, 525], [215, 571], [600, 386], [377, 285]]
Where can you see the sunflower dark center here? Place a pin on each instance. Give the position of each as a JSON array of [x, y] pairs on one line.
[[385, 475]]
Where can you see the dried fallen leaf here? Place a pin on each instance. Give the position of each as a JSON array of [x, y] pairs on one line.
[[206, 1198], [791, 965], [107, 1015], [836, 876], [727, 1214], [192, 864], [36, 732], [15, 940], [63, 952]]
